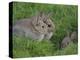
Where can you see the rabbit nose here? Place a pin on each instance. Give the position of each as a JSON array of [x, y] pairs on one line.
[[50, 30]]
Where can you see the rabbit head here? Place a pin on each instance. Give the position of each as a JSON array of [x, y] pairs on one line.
[[50, 25], [39, 25]]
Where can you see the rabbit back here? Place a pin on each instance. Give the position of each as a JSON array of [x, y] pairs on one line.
[[25, 28]]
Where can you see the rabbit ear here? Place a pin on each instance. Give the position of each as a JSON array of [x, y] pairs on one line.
[[41, 14], [36, 20], [40, 17], [49, 15]]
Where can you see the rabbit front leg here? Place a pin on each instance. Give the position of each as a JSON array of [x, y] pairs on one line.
[[48, 35], [41, 37]]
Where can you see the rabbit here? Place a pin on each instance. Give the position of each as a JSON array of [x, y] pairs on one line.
[[66, 41], [41, 26], [34, 27]]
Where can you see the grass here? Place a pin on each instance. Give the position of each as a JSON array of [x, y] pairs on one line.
[[27, 47], [64, 18]]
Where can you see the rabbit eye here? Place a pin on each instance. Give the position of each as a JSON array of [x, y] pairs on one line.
[[49, 25], [42, 26]]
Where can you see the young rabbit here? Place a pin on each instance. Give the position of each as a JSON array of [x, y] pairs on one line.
[[38, 27], [65, 41], [68, 39], [34, 28]]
